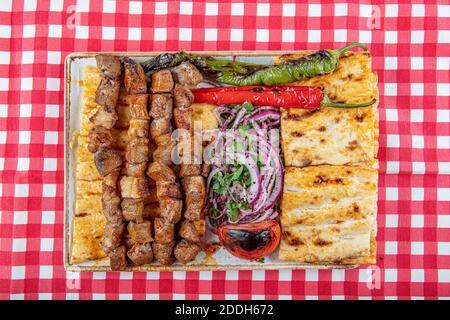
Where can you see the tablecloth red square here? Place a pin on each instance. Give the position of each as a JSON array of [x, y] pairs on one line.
[[410, 44]]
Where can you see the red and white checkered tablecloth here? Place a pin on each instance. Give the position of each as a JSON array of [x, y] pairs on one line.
[[410, 44]]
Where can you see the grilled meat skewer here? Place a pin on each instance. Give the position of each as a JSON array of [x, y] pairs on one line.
[[135, 185], [187, 76], [108, 160], [167, 189]]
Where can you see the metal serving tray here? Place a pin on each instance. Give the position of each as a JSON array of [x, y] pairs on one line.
[[221, 260]]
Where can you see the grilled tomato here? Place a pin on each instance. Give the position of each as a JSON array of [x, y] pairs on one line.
[[250, 241]]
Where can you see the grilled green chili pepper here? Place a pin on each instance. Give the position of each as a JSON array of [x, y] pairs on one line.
[[246, 74], [318, 63]]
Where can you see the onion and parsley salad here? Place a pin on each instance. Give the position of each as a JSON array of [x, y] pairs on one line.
[[245, 182]]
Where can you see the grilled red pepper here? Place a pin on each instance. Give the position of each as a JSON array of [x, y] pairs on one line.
[[277, 96]]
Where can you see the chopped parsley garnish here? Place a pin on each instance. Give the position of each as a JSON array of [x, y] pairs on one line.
[[218, 184], [233, 209], [246, 105], [214, 211]]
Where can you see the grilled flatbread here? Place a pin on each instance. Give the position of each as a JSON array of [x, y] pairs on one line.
[[332, 135], [352, 81], [329, 214], [329, 136], [330, 187], [89, 222], [204, 113], [87, 237]]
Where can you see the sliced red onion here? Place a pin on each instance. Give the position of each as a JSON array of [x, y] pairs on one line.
[[238, 118], [277, 189], [258, 110], [252, 167], [266, 186], [266, 115]]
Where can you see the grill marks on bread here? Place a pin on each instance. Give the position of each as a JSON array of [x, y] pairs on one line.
[[329, 214]]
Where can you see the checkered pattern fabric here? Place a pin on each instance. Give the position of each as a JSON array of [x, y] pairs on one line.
[[410, 44]]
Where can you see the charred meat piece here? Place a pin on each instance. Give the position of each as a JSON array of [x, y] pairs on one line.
[[140, 232], [123, 113], [194, 188], [104, 118], [109, 183], [185, 251], [171, 209], [151, 197], [163, 154], [162, 81], [160, 172], [162, 105], [160, 127], [193, 214], [106, 160], [135, 169], [112, 237], [141, 254], [187, 74], [107, 92], [176, 169], [99, 137], [167, 189], [127, 241], [164, 231], [206, 168], [109, 65], [137, 150], [132, 209], [163, 140], [163, 252], [151, 211], [134, 187], [152, 147], [188, 170], [183, 118], [111, 210], [183, 97], [152, 184], [138, 106], [188, 231], [138, 128], [118, 259], [134, 79]]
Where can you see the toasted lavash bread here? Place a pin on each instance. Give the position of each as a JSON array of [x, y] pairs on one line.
[[352, 81], [87, 236], [203, 113], [88, 224], [328, 214], [332, 135], [329, 136], [88, 187]]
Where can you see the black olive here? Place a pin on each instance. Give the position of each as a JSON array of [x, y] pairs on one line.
[[247, 240]]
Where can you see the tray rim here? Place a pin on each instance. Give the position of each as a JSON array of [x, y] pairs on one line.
[[160, 268]]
